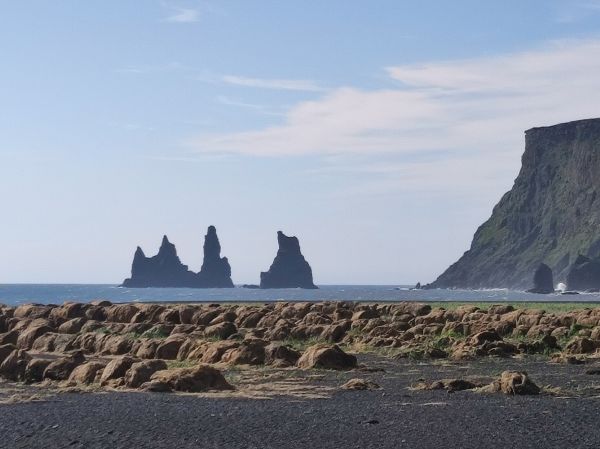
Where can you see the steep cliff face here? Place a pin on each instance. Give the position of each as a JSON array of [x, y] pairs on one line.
[[215, 271], [550, 215], [289, 268]]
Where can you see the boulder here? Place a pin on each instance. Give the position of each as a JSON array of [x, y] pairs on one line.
[[249, 352], [169, 348], [6, 350], [121, 313], [27, 337], [141, 372], [221, 330], [14, 365], [87, 373], [61, 369], [281, 356], [193, 380], [326, 357], [117, 368], [34, 372], [514, 382], [72, 326]]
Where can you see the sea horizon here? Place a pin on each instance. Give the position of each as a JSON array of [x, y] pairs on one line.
[[15, 294]]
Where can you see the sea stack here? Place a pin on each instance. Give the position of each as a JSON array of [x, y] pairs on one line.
[[289, 268], [163, 270], [215, 271], [543, 281], [166, 270], [584, 274], [551, 214]]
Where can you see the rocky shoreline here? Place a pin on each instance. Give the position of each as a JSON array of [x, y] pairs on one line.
[[372, 363], [176, 347]]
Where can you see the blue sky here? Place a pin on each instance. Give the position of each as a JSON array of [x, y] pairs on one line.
[[380, 133]]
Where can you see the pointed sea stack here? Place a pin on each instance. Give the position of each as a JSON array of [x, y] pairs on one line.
[[163, 270], [215, 271], [289, 269], [543, 282]]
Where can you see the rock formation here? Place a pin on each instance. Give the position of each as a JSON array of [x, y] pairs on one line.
[[215, 271], [163, 270], [543, 282], [550, 214], [166, 270], [584, 274], [289, 269]]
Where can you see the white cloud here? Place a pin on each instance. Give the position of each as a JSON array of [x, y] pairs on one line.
[[471, 114], [481, 104], [184, 15], [277, 84]]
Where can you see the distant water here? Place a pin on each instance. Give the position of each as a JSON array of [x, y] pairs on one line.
[[57, 293]]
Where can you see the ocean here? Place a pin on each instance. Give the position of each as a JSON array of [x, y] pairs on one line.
[[14, 294]]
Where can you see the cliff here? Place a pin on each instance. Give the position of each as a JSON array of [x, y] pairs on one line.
[[289, 268], [550, 215]]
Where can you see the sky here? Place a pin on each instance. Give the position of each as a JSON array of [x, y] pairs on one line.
[[380, 133]]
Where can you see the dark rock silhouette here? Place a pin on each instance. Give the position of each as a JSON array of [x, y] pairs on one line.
[[543, 281], [550, 214], [166, 270], [215, 271], [584, 274], [163, 270], [289, 268]]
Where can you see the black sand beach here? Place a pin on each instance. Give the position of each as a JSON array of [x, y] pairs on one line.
[[563, 416]]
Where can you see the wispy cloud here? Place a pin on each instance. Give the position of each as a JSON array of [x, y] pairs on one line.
[[183, 15], [277, 84], [474, 109], [227, 101]]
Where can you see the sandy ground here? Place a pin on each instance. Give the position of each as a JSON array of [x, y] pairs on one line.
[[307, 409]]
